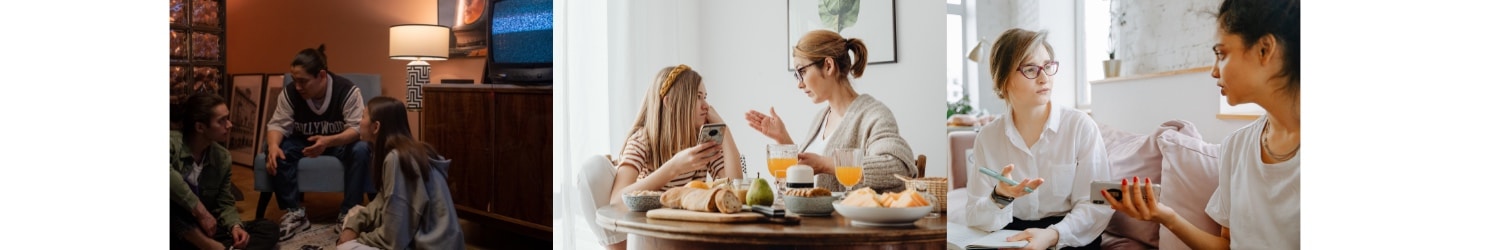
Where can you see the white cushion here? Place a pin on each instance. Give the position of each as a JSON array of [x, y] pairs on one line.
[[1132, 155], [1190, 173]]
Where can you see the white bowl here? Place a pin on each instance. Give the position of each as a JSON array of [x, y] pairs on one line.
[[882, 216]]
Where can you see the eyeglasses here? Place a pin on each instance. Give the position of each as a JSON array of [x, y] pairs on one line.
[[1030, 71], [798, 73]]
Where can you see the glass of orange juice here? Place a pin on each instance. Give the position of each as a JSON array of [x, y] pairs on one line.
[[779, 157], [847, 166]]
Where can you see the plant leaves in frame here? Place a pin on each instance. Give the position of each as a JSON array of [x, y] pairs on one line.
[[838, 14]]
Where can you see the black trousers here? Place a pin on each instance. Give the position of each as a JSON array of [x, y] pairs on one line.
[[1019, 224], [263, 235]]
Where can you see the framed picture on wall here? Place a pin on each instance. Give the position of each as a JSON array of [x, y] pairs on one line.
[[274, 85], [470, 22], [872, 21], [247, 93]]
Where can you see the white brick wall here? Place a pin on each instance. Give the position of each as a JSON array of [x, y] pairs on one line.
[[1163, 35]]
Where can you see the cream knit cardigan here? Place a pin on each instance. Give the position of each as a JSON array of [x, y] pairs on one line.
[[867, 125]]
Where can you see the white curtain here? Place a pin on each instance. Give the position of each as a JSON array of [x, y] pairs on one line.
[[580, 95]]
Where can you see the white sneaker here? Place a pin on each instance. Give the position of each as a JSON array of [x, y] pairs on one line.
[[295, 221]]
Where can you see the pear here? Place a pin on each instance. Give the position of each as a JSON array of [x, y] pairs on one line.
[[760, 194]]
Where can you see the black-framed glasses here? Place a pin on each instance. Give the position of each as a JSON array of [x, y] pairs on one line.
[[1030, 71], [800, 70]]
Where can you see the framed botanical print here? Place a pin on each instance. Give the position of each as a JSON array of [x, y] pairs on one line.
[[872, 21]]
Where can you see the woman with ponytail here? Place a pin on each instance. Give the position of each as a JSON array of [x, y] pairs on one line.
[[824, 63], [413, 209]]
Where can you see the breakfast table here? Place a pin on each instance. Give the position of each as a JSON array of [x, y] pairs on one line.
[[812, 232]]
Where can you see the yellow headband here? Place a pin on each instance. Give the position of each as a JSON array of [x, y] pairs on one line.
[[672, 78]]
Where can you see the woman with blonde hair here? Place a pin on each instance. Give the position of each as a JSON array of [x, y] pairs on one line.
[[824, 63], [662, 150], [1257, 60], [1037, 140]]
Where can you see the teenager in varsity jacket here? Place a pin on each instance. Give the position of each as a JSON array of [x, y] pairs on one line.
[[317, 116]]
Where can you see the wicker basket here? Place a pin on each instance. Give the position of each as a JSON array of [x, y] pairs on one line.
[[936, 186]]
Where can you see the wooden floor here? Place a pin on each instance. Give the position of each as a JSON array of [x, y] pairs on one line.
[[324, 207]]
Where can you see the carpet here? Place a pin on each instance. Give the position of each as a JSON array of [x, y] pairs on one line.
[[321, 236]]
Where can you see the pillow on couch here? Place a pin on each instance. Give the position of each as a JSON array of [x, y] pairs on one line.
[[1131, 155], [1190, 173]]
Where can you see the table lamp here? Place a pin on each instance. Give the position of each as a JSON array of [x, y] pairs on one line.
[[418, 43]]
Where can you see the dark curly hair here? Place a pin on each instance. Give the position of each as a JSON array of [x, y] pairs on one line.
[[1280, 19]]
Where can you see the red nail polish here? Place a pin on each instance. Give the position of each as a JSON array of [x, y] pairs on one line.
[[1124, 182]]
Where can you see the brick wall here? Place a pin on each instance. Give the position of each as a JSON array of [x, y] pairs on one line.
[[1163, 35]]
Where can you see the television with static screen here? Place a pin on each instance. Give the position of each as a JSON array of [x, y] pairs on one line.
[[521, 42]]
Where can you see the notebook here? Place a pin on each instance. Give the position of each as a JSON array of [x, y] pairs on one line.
[[962, 237]]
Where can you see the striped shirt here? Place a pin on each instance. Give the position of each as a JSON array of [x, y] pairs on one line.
[[636, 150]]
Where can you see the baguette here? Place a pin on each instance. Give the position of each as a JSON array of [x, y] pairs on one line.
[[700, 200], [727, 201], [673, 197]]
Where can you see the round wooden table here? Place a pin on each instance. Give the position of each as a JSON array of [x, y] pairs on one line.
[[833, 232]]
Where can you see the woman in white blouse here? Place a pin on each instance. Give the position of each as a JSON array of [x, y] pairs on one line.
[[1257, 61], [1055, 151]]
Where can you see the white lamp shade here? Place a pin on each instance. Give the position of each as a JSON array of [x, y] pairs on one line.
[[419, 42], [975, 53]]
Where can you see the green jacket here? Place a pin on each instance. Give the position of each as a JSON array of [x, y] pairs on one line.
[[214, 182]]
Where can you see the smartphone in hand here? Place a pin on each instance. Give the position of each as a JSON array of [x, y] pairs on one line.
[[1114, 190], [712, 132]]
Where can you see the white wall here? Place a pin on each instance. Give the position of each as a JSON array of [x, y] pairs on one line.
[[645, 36], [992, 18], [1059, 18], [1141, 105], [1163, 35], [744, 68]]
